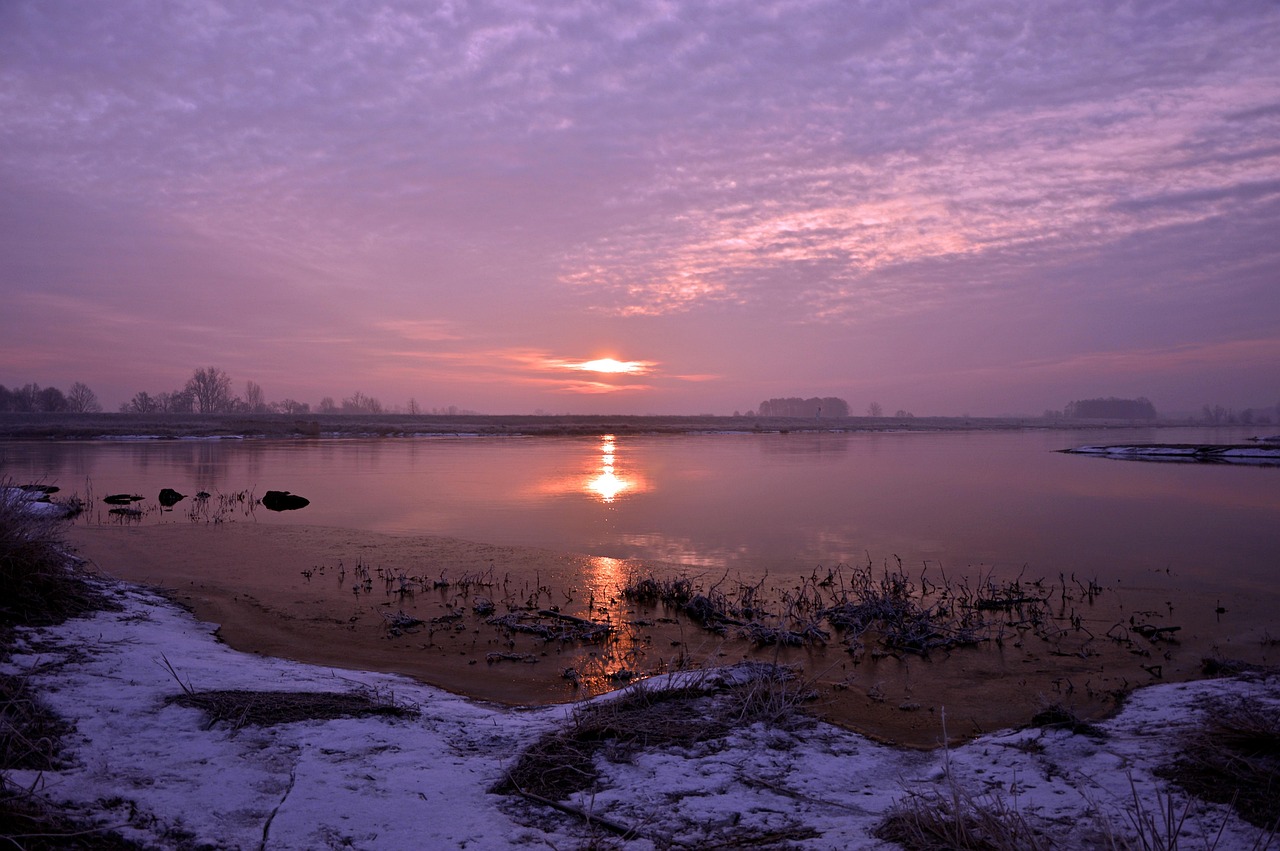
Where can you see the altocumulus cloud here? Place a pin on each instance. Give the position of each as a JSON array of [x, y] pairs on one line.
[[755, 192]]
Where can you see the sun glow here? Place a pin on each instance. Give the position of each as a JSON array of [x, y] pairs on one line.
[[633, 367]]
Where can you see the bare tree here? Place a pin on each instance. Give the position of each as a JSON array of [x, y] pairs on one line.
[[24, 399], [358, 403], [51, 401], [290, 406], [253, 398], [413, 407], [875, 410], [176, 402], [211, 389], [327, 406], [142, 403], [82, 400]]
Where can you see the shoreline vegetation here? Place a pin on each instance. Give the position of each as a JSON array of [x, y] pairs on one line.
[[105, 426]]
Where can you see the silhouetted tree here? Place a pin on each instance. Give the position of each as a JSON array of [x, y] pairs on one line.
[[253, 398], [358, 403], [176, 402], [211, 389], [141, 403], [51, 401], [289, 406], [24, 398], [82, 400], [875, 410], [327, 406]]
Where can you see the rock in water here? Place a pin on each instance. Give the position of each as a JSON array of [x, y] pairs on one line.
[[283, 501], [170, 497], [121, 498]]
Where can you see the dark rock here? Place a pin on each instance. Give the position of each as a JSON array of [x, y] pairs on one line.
[[283, 501], [170, 497], [121, 499]]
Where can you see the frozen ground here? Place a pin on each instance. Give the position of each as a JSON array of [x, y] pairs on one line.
[[161, 774]]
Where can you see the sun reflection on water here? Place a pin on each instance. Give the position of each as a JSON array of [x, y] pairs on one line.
[[607, 484]]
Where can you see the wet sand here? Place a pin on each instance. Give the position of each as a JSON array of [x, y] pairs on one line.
[[336, 596]]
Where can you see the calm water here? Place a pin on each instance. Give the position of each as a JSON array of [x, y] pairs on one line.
[[749, 503]]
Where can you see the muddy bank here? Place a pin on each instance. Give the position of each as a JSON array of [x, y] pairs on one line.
[[518, 626]]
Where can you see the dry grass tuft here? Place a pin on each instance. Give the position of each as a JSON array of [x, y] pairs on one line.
[[1059, 716], [934, 821], [1233, 757], [30, 732], [41, 586], [30, 823], [241, 708], [564, 762]]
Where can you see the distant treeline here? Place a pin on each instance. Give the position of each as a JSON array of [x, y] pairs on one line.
[[208, 391], [1111, 409], [34, 399], [794, 406]]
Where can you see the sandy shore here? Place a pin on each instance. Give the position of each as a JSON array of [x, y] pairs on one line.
[[333, 597]]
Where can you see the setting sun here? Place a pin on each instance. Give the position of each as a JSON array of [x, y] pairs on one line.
[[611, 365]]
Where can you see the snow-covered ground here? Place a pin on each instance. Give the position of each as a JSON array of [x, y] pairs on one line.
[[160, 773]]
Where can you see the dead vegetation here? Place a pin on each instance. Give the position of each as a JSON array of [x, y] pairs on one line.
[[945, 821], [952, 819], [688, 712], [41, 587], [706, 708], [880, 611], [1059, 716], [30, 733], [1233, 757], [240, 708], [40, 583]]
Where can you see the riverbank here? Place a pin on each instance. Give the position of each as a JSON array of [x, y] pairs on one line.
[[525, 626], [129, 723], [193, 426], [149, 767]]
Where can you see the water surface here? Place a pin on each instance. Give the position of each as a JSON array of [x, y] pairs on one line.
[[744, 502], [1187, 547]]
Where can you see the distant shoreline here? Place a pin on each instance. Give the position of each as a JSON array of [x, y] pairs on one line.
[[119, 426]]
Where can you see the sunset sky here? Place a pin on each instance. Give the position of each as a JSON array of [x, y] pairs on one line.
[[634, 206]]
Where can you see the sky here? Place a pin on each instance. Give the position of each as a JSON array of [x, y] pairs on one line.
[[645, 207]]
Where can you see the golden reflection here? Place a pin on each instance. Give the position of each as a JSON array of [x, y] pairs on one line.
[[603, 472], [605, 576], [607, 484]]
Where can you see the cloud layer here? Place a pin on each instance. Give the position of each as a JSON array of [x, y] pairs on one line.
[[927, 203]]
